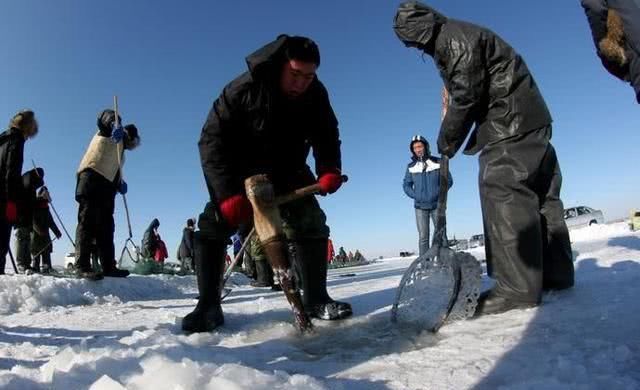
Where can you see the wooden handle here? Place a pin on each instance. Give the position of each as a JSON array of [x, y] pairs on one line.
[[302, 192]]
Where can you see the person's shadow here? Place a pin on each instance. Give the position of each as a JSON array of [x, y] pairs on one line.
[[587, 337]]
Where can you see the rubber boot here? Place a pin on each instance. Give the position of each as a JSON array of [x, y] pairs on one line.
[[209, 261], [311, 258], [109, 269], [491, 303], [87, 273], [23, 250], [264, 276]]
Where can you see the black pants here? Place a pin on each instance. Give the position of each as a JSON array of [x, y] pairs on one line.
[[42, 261], [95, 222], [526, 239], [5, 239], [23, 246]]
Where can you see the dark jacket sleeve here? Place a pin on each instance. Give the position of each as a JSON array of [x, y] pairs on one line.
[[13, 177], [216, 140], [464, 74], [407, 185], [596, 11], [52, 225], [629, 11], [325, 139]]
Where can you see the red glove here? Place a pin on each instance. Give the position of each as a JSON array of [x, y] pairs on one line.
[[236, 210], [329, 180], [11, 212]]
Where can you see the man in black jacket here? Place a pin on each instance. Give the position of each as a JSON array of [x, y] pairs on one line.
[[615, 26], [22, 126], [265, 122], [41, 243], [489, 85], [185, 250], [98, 182], [31, 181], [150, 240]]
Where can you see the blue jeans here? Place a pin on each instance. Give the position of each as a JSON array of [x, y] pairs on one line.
[[422, 220]]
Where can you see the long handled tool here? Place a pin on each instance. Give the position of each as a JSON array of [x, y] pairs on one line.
[[441, 285], [297, 194], [56, 212], [268, 224], [13, 261], [129, 239], [45, 247]]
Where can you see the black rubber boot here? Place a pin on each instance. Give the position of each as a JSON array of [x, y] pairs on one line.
[[88, 273], [491, 303], [311, 259], [264, 274], [209, 261], [109, 269]]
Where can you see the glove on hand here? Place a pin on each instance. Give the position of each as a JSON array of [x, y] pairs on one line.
[[236, 210]]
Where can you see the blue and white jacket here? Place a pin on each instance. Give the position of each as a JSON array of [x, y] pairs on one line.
[[422, 182]]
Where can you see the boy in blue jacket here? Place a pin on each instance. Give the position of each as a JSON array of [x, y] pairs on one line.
[[422, 184]]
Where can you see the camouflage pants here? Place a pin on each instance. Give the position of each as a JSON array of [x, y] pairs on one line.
[[301, 219]]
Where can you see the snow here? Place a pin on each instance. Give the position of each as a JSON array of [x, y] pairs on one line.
[[125, 333]]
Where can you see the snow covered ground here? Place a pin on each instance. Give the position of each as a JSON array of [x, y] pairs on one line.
[[113, 334]]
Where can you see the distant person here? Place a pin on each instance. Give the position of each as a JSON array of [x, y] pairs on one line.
[[422, 184], [150, 239], [236, 240], [526, 239], [342, 255], [41, 243], [615, 26], [264, 272], [358, 258], [331, 252], [185, 250], [98, 181], [22, 127], [31, 181]]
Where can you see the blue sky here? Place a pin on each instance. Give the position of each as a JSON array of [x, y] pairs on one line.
[[167, 61]]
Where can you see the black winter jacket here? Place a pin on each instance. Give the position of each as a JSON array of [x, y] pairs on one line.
[[489, 83], [185, 250], [253, 129], [42, 223], [149, 239], [31, 181], [629, 12], [11, 158]]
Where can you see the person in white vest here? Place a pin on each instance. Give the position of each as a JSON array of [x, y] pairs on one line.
[[98, 182]]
